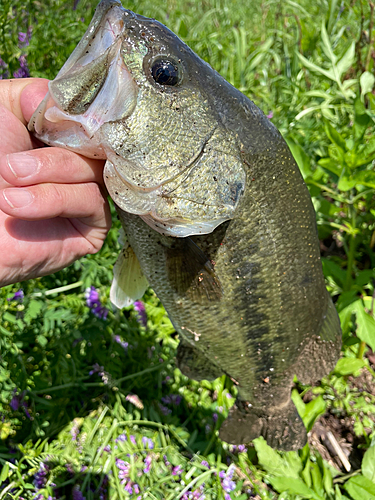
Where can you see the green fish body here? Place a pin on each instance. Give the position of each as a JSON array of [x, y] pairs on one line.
[[218, 218]]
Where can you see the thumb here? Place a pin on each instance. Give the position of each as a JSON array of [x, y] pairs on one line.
[[22, 96], [32, 95]]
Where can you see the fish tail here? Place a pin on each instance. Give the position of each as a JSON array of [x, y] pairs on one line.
[[283, 429]]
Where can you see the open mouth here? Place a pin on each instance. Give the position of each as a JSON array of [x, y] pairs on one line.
[[92, 88]]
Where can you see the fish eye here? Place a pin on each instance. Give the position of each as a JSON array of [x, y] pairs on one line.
[[166, 72]]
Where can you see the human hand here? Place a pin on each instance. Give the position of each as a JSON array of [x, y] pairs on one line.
[[54, 214]]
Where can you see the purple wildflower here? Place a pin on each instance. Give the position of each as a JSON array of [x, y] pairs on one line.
[[69, 468], [174, 399], [77, 494], [176, 471], [96, 368], [205, 464], [16, 400], [136, 488], [147, 442], [242, 448], [128, 488], [124, 471], [19, 295], [107, 448], [164, 409], [228, 395], [141, 312], [148, 461], [93, 302], [121, 464], [227, 482], [132, 439], [74, 431], [40, 478], [3, 66], [270, 115], [23, 71], [228, 485], [100, 371], [124, 345], [19, 400], [214, 417], [24, 38], [121, 437], [166, 460]]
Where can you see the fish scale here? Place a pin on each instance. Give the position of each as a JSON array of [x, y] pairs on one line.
[[218, 218]]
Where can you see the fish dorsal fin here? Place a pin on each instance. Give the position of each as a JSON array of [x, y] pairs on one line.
[[129, 283], [192, 274]]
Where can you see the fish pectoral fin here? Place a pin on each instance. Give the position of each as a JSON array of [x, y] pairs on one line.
[[129, 283], [192, 274], [194, 364]]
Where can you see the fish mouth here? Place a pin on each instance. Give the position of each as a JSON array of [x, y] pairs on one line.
[[92, 88]]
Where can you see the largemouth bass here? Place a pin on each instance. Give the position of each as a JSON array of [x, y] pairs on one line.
[[218, 219]]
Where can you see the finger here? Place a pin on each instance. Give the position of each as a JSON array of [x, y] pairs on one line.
[[44, 247], [45, 165], [22, 96], [47, 201]]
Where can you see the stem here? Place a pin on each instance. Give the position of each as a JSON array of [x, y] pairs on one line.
[[352, 246], [349, 269], [368, 58], [361, 350], [59, 289]]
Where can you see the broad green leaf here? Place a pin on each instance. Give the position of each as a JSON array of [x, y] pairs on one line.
[[303, 161], [337, 493], [272, 462], [346, 61], [317, 479], [293, 486], [360, 488], [42, 340], [365, 324], [313, 410], [327, 44], [366, 178], [331, 165], [368, 464], [346, 183], [366, 81], [330, 268], [4, 472], [327, 479], [335, 137], [317, 69], [308, 412], [306, 474], [347, 366]]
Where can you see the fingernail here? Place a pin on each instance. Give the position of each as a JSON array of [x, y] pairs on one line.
[[17, 197], [22, 164]]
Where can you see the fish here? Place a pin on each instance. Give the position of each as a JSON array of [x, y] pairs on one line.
[[217, 217]]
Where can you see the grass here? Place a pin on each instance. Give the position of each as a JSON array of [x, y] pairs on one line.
[[80, 395]]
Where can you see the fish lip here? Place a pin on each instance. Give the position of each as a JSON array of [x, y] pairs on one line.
[[77, 60]]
